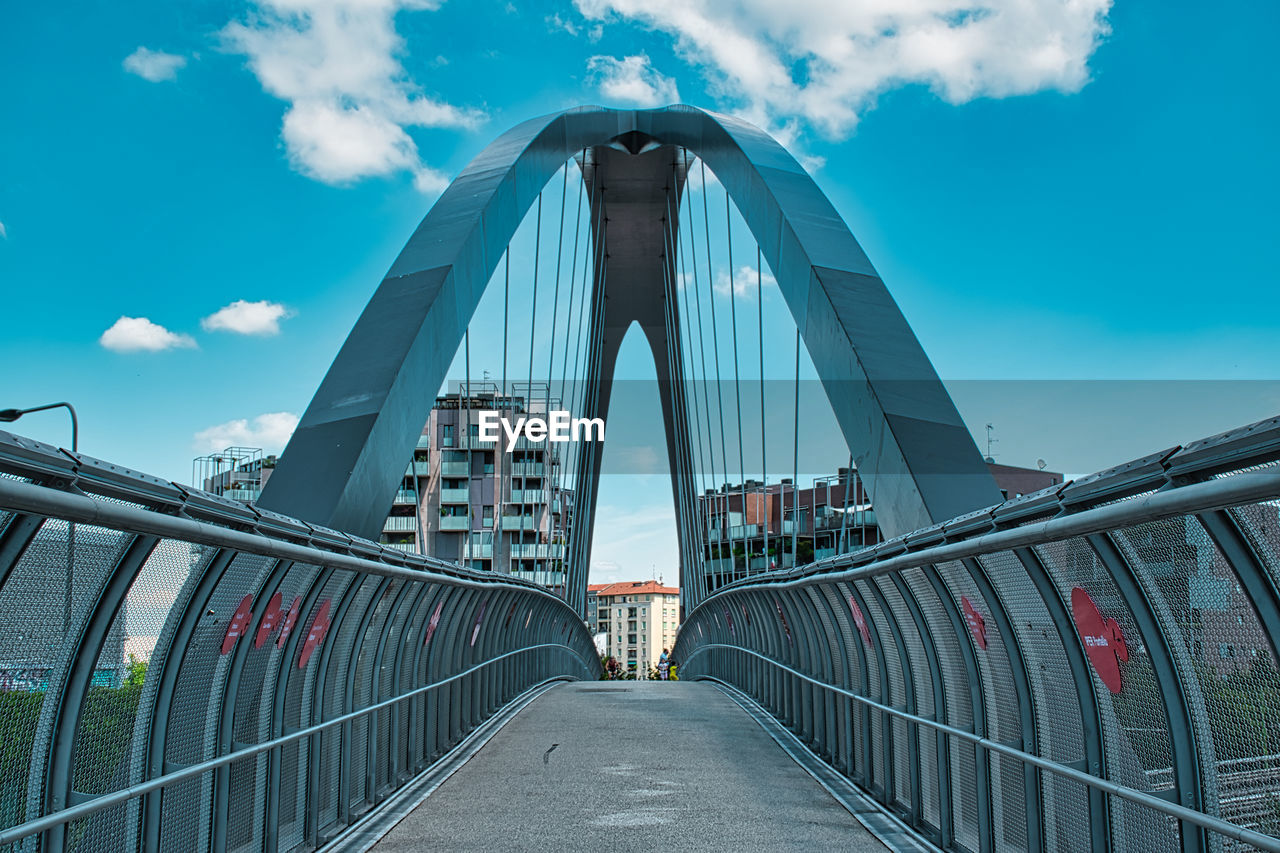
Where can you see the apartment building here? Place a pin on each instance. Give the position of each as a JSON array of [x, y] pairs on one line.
[[753, 528], [494, 505], [462, 499], [640, 618]]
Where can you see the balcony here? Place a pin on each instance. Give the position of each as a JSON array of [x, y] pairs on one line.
[[737, 532], [404, 497], [454, 522], [537, 550], [418, 468], [528, 496], [545, 578], [458, 468], [409, 547], [475, 442], [519, 522], [475, 551], [454, 496], [400, 524], [527, 469]]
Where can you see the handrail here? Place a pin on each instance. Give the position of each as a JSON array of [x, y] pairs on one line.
[[85, 509], [1231, 830], [104, 801]]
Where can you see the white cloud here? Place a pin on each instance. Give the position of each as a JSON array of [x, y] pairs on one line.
[[744, 281], [134, 334], [154, 65], [269, 431], [335, 62], [555, 22], [825, 61], [633, 80], [247, 318], [4, 234]]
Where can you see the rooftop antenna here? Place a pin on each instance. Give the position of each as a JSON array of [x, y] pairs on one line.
[[990, 460], [1040, 463]]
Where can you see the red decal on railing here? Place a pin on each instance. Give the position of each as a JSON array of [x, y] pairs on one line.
[[728, 617], [431, 626], [270, 619], [1103, 640], [239, 621], [977, 625], [289, 621], [859, 620], [319, 627], [475, 631], [782, 616]]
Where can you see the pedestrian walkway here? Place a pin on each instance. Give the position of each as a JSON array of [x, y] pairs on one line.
[[630, 766]]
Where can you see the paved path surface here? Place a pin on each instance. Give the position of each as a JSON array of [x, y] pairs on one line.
[[639, 766]]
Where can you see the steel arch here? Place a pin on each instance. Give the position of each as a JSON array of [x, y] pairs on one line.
[[914, 452]]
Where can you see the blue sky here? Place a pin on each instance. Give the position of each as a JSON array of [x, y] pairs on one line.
[[1051, 191]]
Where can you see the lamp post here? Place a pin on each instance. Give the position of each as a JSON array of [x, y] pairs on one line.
[[11, 415]]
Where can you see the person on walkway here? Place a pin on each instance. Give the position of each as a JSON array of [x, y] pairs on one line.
[[664, 665]]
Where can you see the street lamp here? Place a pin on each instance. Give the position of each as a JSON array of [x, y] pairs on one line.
[[9, 416]]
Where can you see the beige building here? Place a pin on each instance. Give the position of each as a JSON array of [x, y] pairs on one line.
[[640, 619]]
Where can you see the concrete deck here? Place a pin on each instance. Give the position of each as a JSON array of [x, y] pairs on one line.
[[636, 766]]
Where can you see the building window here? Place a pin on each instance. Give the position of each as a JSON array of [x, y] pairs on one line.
[[488, 517], [446, 435], [488, 467]]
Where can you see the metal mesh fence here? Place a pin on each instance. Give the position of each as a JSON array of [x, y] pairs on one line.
[[1107, 669], [167, 684]]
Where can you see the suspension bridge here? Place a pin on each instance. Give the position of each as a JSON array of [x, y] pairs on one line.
[[1091, 665]]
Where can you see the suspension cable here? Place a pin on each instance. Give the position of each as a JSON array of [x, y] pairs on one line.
[[672, 404], [795, 464], [582, 501], [764, 465], [580, 393], [596, 346], [506, 320], [563, 471], [591, 256], [702, 357], [698, 473], [551, 453], [844, 517], [737, 390], [715, 340], [528, 388], [466, 430]]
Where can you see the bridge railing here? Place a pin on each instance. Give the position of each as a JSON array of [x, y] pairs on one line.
[[1089, 667], [182, 672]]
